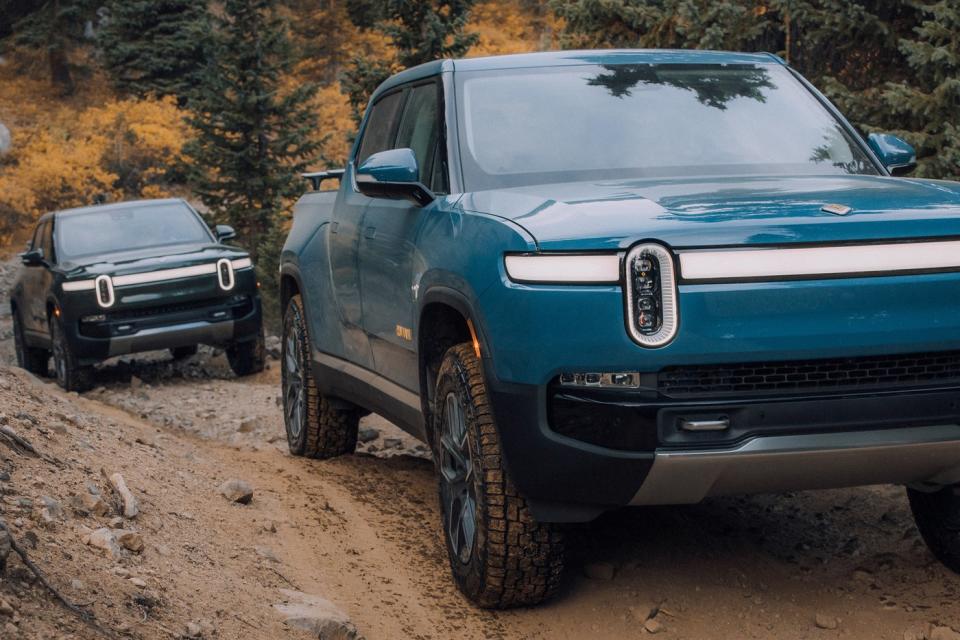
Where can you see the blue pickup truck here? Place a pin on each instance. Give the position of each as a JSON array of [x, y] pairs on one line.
[[593, 279]]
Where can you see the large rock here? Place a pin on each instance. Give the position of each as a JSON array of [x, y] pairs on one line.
[[272, 346], [944, 633], [129, 540], [130, 506], [94, 503], [367, 434], [237, 491], [105, 539], [317, 616]]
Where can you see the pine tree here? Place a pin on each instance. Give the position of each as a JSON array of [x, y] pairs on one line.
[[253, 139], [53, 27], [155, 46], [925, 108], [420, 31], [891, 65]]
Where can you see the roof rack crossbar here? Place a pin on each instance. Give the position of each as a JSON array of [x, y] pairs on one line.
[[316, 178]]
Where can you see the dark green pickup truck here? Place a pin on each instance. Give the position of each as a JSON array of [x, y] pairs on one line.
[[116, 279]]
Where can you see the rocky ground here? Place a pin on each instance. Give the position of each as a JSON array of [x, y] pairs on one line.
[[353, 543]]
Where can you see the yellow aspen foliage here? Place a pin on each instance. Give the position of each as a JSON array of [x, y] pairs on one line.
[[123, 149], [333, 124], [507, 26]]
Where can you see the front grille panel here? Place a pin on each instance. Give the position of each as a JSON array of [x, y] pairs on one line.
[[812, 376], [160, 310]]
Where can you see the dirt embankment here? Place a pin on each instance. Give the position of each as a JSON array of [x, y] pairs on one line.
[[362, 533]]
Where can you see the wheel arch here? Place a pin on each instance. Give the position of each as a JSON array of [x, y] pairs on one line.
[[289, 286], [445, 319], [52, 307]]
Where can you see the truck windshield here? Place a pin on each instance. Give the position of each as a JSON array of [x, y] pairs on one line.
[[601, 122], [128, 228]]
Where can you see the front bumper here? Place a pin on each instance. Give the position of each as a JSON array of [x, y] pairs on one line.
[[533, 333], [215, 321], [631, 451], [912, 455]]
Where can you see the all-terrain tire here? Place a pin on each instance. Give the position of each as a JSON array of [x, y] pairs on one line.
[[32, 359], [249, 357], [317, 427], [515, 560], [70, 374], [937, 516], [182, 353]]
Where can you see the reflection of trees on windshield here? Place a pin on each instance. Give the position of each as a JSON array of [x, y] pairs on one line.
[[714, 86], [836, 151]]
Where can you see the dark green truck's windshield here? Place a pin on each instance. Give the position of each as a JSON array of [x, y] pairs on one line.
[[128, 229], [536, 126]]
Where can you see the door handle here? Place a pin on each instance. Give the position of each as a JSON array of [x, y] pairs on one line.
[[370, 232]]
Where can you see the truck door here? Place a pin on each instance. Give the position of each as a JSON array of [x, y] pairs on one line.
[[390, 268], [345, 229], [34, 294]]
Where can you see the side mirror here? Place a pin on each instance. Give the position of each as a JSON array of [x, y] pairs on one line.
[[32, 257], [393, 174], [897, 155], [224, 232]]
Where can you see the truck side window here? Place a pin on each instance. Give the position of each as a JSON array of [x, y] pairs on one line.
[[37, 236], [46, 241], [378, 134], [420, 131]]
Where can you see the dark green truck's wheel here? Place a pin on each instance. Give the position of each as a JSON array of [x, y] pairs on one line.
[[249, 357], [317, 427], [70, 374], [937, 515], [32, 359], [500, 556]]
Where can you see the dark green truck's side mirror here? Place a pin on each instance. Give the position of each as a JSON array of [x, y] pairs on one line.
[[32, 257], [224, 232], [393, 174], [896, 154]]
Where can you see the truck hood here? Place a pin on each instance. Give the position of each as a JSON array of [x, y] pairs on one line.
[[704, 212], [150, 259]]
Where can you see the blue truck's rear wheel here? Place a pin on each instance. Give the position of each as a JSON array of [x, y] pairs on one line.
[[316, 426], [499, 555], [937, 515]]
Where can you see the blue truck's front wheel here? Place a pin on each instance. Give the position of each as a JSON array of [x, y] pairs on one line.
[[500, 556]]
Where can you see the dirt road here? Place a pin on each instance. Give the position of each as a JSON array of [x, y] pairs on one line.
[[362, 531]]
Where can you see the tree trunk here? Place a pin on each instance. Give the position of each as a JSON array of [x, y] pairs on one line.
[[60, 74]]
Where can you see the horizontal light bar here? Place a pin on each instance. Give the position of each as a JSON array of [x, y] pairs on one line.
[[164, 274], [78, 285], [159, 276], [808, 262], [547, 268]]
